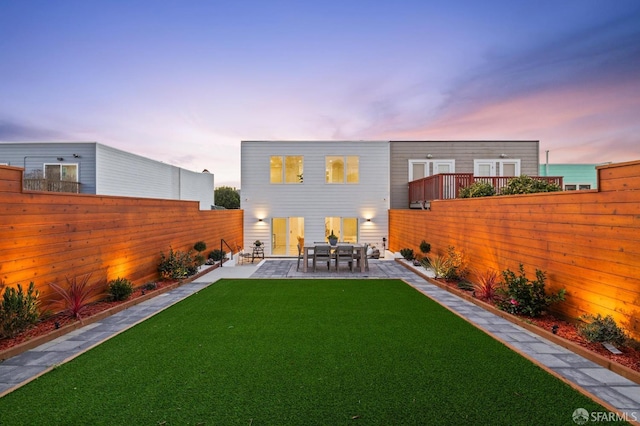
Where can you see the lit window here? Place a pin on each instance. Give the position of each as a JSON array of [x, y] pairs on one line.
[[345, 228], [341, 169], [286, 169]]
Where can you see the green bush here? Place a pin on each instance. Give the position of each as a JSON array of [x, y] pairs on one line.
[[478, 189], [407, 253], [527, 185], [455, 265], [176, 265], [18, 310], [217, 255], [425, 247], [200, 246], [518, 295], [601, 329], [150, 286], [120, 289]]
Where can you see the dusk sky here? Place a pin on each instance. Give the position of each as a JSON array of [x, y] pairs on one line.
[[184, 82]]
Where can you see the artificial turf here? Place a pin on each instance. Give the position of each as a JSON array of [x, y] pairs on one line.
[[298, 352]]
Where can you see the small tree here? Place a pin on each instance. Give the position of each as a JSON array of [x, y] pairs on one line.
[[227, 197]]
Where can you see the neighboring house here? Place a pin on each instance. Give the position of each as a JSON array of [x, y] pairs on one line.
[[306, 189], [412, 160], [93, 168], [576, 176]]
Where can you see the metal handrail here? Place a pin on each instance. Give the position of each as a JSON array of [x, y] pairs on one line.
[[222, 241]]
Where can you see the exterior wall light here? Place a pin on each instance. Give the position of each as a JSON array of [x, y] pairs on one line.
[[503, 155], [260, 220], [429, 155]]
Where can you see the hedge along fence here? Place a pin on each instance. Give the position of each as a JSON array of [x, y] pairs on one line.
[[47, 237], [587, 242]]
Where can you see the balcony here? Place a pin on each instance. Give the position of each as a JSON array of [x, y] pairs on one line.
[[50, 185], [446, 186]]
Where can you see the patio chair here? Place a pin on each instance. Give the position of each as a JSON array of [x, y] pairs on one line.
[[301, 257], [344, 254], [321, 254], [365, 248], [242, 255]]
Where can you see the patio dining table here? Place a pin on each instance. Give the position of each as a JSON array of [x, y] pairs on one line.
[[358, 250]]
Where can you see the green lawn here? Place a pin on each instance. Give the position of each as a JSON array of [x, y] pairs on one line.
[[298, 352]]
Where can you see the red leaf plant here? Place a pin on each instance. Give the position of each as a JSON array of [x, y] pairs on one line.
[[77, 295], [489, 283]]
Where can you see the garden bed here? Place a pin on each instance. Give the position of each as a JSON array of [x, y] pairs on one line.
[[566, 333], [58, 325]]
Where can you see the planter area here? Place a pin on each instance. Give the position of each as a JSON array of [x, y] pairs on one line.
[[626, 364], [58, 325]]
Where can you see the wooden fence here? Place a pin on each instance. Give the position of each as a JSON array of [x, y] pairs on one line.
[[588, 242], [46, 237]]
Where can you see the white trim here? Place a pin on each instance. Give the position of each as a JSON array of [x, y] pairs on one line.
[[496, 166], [430, 166]]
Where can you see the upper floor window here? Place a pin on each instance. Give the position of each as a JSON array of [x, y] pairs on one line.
[[286, 169], [497, 167], [577, 187], [66, 172], [342, 169], [419, 169]]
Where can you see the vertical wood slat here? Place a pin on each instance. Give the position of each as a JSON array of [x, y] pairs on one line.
[[47, 237], [587, 242]]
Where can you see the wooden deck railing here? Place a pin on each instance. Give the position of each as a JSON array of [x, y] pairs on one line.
[[51, 185], [446, 186]]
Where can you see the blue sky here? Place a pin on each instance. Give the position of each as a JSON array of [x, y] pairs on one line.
[[185, 81]]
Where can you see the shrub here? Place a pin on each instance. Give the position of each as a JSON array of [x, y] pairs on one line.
[[18, 309], [478, 189], [518, 295], [176, 265], [76, 297], [200, 246], [217, 255], [407, 253], [455, 265], [487, 286], [425, 247], [120, 289], [437, 264], [601, 329], [150, 286], [527, 185]]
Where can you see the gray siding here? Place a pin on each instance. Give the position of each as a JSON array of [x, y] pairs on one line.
[[131, 175], [463, 152], [33, 155], [109, 171]]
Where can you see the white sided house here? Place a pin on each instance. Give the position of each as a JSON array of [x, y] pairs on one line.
[[94, 168], [307, 189]]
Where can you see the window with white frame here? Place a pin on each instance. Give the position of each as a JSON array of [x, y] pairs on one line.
[[286, 168], [496, 167], [421, 168], [345, 228], [342, 169], [65, 172], [577, 187]]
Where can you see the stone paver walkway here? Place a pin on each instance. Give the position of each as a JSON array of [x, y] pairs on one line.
[[615, 391]]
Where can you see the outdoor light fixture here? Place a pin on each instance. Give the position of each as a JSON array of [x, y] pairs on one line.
[[260, 220], [369, 219], [76, 155], [503, 156], [60, 159], [429, 156]]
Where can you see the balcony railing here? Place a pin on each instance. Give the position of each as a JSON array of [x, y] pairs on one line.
[[446, 186], [51, 185]]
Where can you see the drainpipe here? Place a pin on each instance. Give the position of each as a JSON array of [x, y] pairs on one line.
[[546, 167]]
